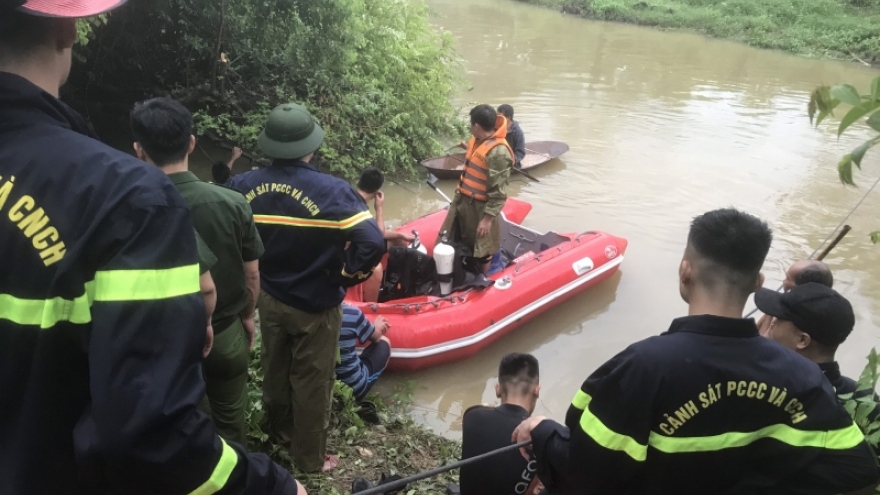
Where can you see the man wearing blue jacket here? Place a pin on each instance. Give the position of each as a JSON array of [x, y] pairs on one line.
[[515, 137], [102, 326], [305, 219]]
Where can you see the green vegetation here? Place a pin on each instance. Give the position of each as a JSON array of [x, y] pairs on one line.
[[843, 29], [862, 108], [397, 446], [375, 74]]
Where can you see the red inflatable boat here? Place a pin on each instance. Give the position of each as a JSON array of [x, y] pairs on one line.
[[546, 269]]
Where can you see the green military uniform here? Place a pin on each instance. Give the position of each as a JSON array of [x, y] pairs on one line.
[[469, 212], [224, 220], [207, 260]]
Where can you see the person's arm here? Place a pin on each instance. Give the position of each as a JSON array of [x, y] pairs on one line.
[[248, 314], [207, 260], [849, 471], [500, 163], [519, 147], [366, 248], [379, 204], [378, 330], [209, 295], [251, 250], [236, 154], [144, 351]]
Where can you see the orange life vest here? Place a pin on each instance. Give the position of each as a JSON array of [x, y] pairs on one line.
[[475, 179]]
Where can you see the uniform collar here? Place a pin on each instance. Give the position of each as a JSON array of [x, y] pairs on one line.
[[23, 103], [183, 177], [512, 410], [284, 162], [717, 326], [831, 370]]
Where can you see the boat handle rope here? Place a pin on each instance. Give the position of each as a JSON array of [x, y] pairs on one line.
[[396, 485]]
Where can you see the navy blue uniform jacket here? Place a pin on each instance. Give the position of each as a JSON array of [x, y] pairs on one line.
[[305, 219], [102, 324], [708, 407]]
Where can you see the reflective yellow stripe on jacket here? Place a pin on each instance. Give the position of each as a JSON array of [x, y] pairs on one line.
[[841, 439], [218, 479], [311, 222], [108, 286]]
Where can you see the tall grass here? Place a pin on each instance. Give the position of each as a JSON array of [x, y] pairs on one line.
[[845, 29]]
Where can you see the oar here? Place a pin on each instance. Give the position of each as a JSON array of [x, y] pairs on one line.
[[845, 230], [530, 176], [432, 179]]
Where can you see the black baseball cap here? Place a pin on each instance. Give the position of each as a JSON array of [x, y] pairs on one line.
[[815, 309], [61, 8]]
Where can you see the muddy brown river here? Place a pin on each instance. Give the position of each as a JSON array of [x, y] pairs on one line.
[[662, 127]]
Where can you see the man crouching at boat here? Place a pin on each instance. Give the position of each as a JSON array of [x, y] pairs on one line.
[[361, 372], [709, 406], [488, 428], [482, 191]]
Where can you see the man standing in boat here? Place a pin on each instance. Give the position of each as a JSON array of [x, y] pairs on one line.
[[515, 137], [472, 216]]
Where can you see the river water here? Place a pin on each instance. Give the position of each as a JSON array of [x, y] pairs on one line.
[[662, 127]]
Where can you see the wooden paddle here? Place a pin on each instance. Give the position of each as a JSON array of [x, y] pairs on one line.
[[530, 176]]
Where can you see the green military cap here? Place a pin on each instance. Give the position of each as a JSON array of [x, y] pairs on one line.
[[290, 132]]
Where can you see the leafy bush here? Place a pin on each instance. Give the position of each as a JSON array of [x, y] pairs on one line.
[[847, 29], [375, 74]]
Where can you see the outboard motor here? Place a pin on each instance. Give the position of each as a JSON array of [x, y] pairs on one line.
[[444, 258]]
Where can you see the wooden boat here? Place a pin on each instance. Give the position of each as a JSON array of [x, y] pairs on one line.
[[537, 153], [545, 270]]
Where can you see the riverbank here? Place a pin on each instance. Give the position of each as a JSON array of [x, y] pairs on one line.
[[397, 446], [840, 29]]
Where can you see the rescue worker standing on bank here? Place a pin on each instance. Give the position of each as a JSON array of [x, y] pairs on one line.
[[305, 219], [102, 325], [162, 129], [472, 216], [709, 406]]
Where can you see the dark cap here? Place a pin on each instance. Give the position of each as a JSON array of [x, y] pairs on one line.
[[61, 8], [817, 310]]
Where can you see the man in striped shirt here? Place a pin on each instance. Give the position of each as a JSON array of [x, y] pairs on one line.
[[360, 372]]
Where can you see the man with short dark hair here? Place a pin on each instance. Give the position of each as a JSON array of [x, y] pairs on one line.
[[709, 406], [800, 272], [488, 428], [221, 172], [369, 187], [472, 216], [162, 129], [102, 324], [306, 219], [515, 137], [812, 320]]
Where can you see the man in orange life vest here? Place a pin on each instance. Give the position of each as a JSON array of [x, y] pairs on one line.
[[482, 190]]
